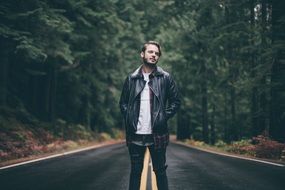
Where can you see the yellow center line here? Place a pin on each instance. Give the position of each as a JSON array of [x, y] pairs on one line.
[[153, 179], [146, 165], [145, 170]]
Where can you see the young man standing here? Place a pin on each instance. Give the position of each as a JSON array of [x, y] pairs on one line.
[[149, 98]]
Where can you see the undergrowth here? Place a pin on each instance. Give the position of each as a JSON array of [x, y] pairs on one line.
[[22, 135], [260, 147]]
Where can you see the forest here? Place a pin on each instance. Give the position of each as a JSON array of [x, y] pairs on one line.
[[65, 62]]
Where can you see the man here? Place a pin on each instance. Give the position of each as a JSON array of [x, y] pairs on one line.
[[149, 98]]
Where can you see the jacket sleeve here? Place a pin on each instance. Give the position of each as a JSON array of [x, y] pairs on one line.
[[173, 99], [125, 97]]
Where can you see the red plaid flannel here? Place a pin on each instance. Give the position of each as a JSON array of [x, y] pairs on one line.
[[160, 141]]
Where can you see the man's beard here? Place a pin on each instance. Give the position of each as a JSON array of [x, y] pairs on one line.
[[148, 64]]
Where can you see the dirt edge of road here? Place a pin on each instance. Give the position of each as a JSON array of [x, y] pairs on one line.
[[35, 158], [224, 153]]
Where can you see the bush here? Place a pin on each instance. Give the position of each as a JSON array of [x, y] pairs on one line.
[[117, 134], [260, 146], [266, 148], [220, 144], [195, 143], [104, 137], [242, 147]]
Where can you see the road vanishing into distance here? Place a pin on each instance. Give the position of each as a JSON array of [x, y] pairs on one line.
[[107, 168]]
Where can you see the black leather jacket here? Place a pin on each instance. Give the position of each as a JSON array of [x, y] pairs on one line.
[[164, 100]]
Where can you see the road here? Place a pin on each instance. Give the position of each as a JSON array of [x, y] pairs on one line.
[[191, 169], [107, 168]]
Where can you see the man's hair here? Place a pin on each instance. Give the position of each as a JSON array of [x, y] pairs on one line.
[[153, 43]]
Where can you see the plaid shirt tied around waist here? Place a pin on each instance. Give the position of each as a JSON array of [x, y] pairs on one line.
[[161, 141]]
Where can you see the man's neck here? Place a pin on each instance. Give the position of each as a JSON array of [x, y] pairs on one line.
[[147, 68]]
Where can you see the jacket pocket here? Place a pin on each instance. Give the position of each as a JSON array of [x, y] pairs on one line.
[[161, 119]]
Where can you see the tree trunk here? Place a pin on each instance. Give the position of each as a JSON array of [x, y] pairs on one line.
[[263, 116], [226, 123], [50, 93], [213, 126], [277, 115], [234, 126], [4, 63], [233, 130], [205, 121], [52, 106], [85, 116], [182, 125], [254, 92]]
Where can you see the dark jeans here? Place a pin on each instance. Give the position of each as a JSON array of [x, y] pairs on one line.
[[158, 161]]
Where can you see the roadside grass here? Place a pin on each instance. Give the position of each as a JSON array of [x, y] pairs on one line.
[[257, 147]]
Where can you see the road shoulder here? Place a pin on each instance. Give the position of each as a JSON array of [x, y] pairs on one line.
[[37, 158], [223, 153]]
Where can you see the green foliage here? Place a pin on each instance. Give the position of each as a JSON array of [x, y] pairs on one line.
[[220, 144], [260, 146], [68, 60], [29, 51], [22, 135], [219, 56], [242, 147]]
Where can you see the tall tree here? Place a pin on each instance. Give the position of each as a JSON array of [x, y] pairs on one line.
[[277, 116]]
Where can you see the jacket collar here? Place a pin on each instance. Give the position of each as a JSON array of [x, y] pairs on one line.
[[138, 72]]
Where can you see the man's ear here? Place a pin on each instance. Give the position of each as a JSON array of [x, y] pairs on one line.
[[142, 54]]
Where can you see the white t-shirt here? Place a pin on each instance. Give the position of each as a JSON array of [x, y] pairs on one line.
[[144, 123]]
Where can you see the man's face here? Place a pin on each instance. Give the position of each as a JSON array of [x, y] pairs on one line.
[[151, 55]]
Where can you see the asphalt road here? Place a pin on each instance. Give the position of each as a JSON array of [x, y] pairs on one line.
[[107, 168], [191, 169]]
